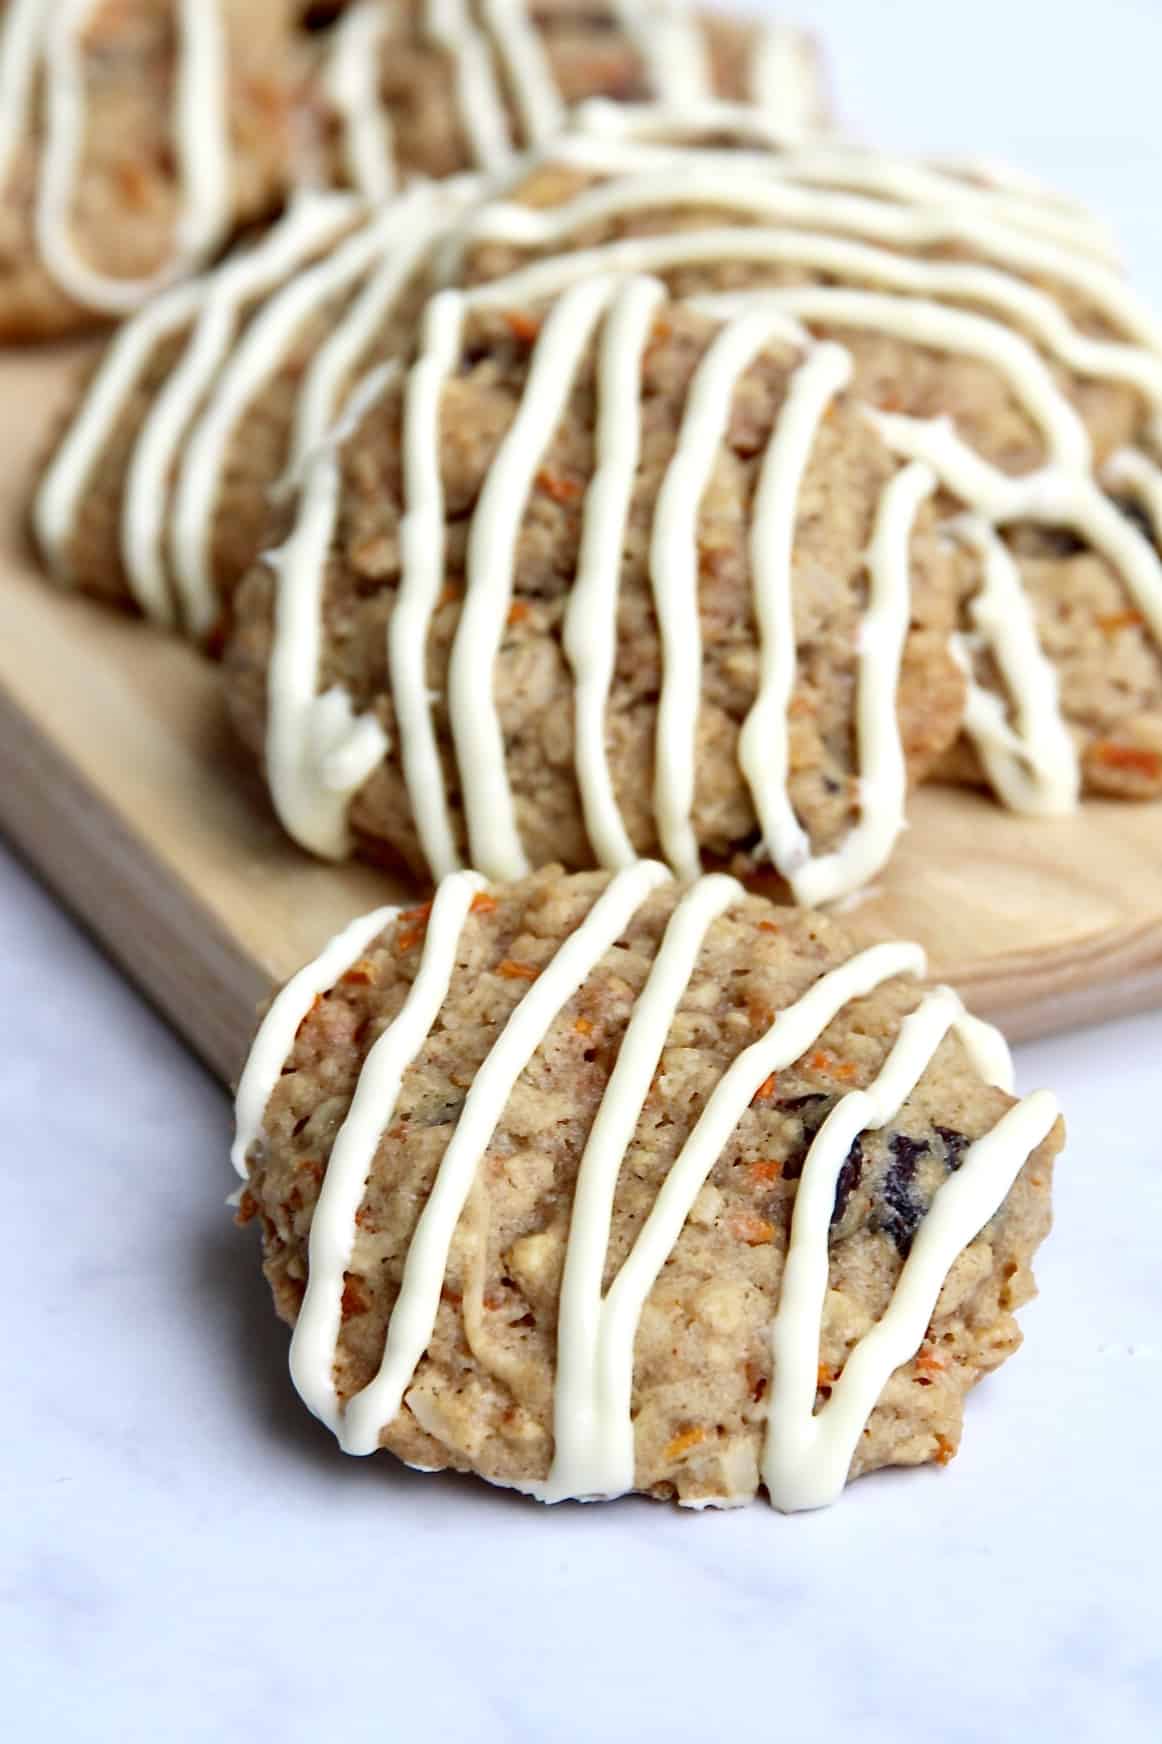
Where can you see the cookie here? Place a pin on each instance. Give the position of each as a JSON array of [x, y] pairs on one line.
[[435, 87], [596, 1184], [512, 624], [135, 138]]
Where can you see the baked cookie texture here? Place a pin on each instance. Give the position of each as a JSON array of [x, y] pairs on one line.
[[534, 685], [137, 137], [988, 339], [435, 87], [557, 1338]]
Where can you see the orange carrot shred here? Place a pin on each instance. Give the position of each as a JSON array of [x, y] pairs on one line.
[[1127, 620], [521, 326], [1134, 759], [583, 1026], [513, 971], [683, 1443], [482, 903], [755, 1231], [765, 1090], [766, 1169], [559, 485], [767, 926]]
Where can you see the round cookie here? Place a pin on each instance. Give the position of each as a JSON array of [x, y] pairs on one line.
[[134, 140], [593, 1184], [475, 648]]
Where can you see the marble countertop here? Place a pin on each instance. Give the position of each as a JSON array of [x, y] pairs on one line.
[[183, 1553]]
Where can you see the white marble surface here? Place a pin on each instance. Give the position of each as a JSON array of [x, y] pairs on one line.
[[184, 1556]]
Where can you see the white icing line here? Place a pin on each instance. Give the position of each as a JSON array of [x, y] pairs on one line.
[[405, 234], [1035, 767], [481, 106], [333, 1226], [783, 80], [311, 222], [952, 330], [763, 747], [271, 1047], [258, 355], [667, 36], [589, 634], [59, 492], [807, 1455], [768, 193], [352, 85], [674, 576], [1056, 496], [1133, 471], [414, 1314], [422, 541], [202, 146], [593, 1439], [883, 781], [518, 42], [493, 836], [318, 753], [22, 34], [789, 1037]]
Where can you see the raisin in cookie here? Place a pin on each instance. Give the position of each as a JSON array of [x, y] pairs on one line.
[[595, 1184]]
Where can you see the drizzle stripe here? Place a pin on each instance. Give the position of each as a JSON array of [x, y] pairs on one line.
[[494, 840], [1035, 767], [590, 628], [333, 1226], [59, 492], [202, 146], [352, 84], [250, 366], [763, 742], [789, 1037], [312, 221], [481, 106], [668, 39], [422, 540], [519, 45], [806, 1457], [414, 1315], [674, 576], [272, 1046], [883, 781], [318, 754], [592, 1454]]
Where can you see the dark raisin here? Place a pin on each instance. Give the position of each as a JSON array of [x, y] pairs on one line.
[[321, 15], [849, 1179], [1137, 516], [902, 1209], [812, 1110], [1060, 542], [955, 1144]]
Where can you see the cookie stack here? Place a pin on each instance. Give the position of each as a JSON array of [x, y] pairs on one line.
[[609, 493]]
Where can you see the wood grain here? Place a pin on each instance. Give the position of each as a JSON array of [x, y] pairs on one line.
[[121, 784]]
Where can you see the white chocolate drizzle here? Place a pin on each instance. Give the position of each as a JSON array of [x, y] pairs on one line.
[[40, 46], [352, 85], [318, 752], [668, 38], [806, 1455]]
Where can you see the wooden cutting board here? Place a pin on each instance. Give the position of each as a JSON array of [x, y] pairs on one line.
[[120, 782]]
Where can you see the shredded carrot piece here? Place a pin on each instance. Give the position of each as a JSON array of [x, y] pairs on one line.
[[359, 974], [766, 1169], [314, 1006], [755, 1231], [767, 926], [413, 926], [482, 903], [559, 485], [518, 611], [354, 1301], [1134, 759], [450, 593], [1127, 620], [846, 1069], [821, 1061], [945, 1450], [513, 971], [247, 1207], [765, 1090], [931, 1360], [825, 1377], [521, 326], [583, 1026], [683, 1443]]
